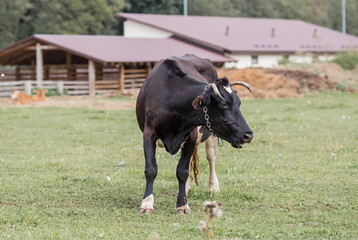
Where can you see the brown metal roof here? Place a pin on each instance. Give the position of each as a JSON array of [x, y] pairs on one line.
[[116, 48], [250, 34]]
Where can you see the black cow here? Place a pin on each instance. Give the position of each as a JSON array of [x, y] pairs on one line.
[[180, 94]]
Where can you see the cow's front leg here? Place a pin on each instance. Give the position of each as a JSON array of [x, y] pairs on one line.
[[183, 173], [210, 149], [151, 168]]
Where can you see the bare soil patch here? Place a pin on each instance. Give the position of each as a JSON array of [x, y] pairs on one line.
[[98, 102], [330, 70]]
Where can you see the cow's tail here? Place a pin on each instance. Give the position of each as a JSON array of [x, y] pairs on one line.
[[194, 165]]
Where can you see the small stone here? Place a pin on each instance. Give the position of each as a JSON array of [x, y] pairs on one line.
[[202, 226], [121, 164]]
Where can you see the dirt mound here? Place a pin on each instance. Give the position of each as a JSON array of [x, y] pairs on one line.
[[330, 70], [275, 83]]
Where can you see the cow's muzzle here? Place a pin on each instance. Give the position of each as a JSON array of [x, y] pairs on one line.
[[248, 137]]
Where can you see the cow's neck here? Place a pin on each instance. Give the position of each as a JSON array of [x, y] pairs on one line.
[[194, 117], [190, 117]]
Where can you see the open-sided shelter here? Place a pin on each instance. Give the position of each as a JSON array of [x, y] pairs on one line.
[[97, 63]]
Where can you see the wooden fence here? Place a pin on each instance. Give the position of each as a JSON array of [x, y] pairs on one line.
[[68, 87], [109, 79], [134, 78]]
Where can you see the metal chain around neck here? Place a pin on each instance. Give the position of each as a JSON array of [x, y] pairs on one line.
[[207, 122], [206, 115], [208, 125]]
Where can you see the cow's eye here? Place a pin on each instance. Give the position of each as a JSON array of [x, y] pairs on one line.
[[224, 107]]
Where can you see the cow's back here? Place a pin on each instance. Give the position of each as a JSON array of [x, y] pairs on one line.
[[167, 78], [203, 66]]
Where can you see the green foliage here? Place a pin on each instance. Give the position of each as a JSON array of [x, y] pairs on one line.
[[298, 179], [76, 17], [22, 18], [13, 20], [157, 7], [341, 87], [284, 60], [347, 60], [51, 92], [55, 92]]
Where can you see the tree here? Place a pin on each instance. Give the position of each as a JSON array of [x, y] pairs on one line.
[[23, 18], [213, 8], [157, 6], [12, 16], [76, 17]]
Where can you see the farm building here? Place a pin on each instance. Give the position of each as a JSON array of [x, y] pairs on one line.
[[86, 64], [252, 42]]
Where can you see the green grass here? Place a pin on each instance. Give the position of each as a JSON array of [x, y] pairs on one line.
[[298, 179]]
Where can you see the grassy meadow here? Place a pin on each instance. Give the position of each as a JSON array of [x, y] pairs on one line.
[[298, 179]]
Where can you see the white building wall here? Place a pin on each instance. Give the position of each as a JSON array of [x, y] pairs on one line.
[[272, 61], [269, 61], [301, 59], [246, 61], [326, 57], [242, 61], [134, 29]]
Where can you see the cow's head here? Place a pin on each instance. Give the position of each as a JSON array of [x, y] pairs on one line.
[[223, 108], [15, 93]]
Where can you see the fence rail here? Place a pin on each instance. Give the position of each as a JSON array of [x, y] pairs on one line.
[[108, 80], [71, 87]]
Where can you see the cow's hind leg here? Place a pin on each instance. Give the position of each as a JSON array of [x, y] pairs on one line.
[[210, 149], [183, 173], [151, 168]]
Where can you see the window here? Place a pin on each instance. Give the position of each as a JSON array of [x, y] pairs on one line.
[[254, 60]]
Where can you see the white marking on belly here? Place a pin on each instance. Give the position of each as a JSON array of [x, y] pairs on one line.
[[160, 143]]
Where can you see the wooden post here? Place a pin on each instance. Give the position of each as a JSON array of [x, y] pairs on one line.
[[18, 73], [33, 70], [91, 78], [99, 71], [149, 68], [121, 78], [46, 74], [68, 66], [27, 87], [60, 87], [39, 65]]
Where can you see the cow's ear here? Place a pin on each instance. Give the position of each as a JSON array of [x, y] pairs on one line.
[[201, 101]]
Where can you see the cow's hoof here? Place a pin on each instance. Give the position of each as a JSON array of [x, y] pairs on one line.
[[147, 206], [214, 188], [184, 209], [146, 211]]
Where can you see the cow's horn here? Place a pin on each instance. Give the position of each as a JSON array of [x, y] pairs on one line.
[[242, 84], [216, 91]]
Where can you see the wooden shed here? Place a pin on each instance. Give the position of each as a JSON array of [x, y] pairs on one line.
[[88, 64]]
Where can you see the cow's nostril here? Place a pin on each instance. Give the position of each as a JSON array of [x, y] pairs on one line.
[[248, 137]]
